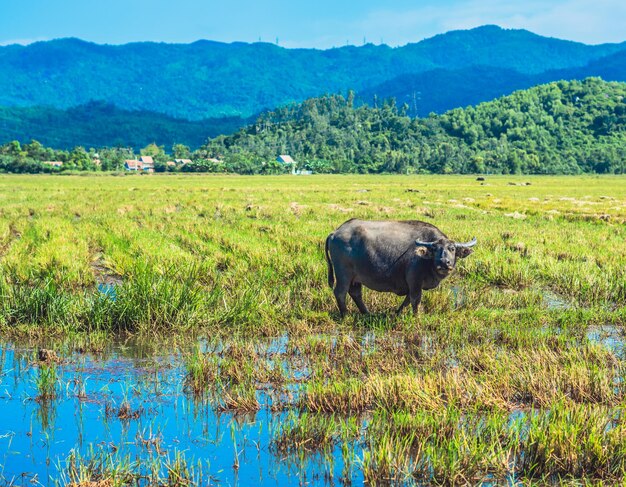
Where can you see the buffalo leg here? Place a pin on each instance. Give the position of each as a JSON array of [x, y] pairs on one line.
[[340, 291], [356, 293], [416, 298], [404, 304]]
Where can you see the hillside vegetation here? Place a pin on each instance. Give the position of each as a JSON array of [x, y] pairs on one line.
[[561, 127], [211, 79], [98, 124], [558, 128], [441, 90]]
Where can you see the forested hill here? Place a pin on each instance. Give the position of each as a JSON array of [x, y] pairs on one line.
[[560, 127], [212, 79], [441, 90], [98, 124]]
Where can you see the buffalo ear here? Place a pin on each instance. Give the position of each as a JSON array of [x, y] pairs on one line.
[[462, 252], [424, 252]]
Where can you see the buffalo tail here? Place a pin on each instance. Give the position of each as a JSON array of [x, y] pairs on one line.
[[331, 274]]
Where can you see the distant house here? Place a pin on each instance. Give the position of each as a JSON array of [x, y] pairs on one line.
[[144, 163], [170, 164], [133, 165], [147, 163], [53, 163], [182, 162], [287, 160]]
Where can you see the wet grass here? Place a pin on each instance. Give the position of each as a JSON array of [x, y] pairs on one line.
[[512, 371], [46, 383], [103, 469]]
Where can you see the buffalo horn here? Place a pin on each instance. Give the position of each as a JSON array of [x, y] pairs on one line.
[[466, 244]]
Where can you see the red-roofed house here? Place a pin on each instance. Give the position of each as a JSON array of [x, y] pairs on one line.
[[133, 165]]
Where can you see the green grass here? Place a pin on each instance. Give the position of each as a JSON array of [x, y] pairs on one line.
[[503, 374], [104, 469], [194, 252], [46, 383]]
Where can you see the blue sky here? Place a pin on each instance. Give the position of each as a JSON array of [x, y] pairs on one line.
[[320, 23]]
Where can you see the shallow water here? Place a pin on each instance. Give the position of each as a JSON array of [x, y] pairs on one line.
[[37, 436], [553, 301], [108, 290], [609, 336]]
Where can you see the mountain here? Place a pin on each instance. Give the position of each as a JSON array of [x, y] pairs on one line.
[[441, 90], [610, 68], [564, 127], [212, 79], [515, 49], [555, 128], [98, 124]]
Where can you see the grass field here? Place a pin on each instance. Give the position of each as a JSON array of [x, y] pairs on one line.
[[513, 368]]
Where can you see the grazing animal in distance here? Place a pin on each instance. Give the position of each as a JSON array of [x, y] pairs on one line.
[[402, 257]]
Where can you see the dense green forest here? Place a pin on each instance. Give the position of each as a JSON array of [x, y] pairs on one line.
[[557, 128], [444, 89], [98, 124], [564, 127], [211, 79], [183, 93]]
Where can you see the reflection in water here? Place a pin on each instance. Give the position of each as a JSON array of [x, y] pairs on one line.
[[134, 410], [609, 336], [108, 290], [554, 301]]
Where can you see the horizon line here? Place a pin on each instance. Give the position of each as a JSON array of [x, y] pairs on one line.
[[29, 42]]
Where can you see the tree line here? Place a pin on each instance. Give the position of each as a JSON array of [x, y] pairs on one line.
[[565, 127]]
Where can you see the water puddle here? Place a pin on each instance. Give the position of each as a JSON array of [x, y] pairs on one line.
[[130, 408], [610, 337], [108, 290], [458, 296], [107, 281], [553, 301]]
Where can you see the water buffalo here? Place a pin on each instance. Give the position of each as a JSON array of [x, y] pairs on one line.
[[402, 257]]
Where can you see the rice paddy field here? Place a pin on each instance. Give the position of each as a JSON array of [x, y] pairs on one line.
[[179, 330]]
